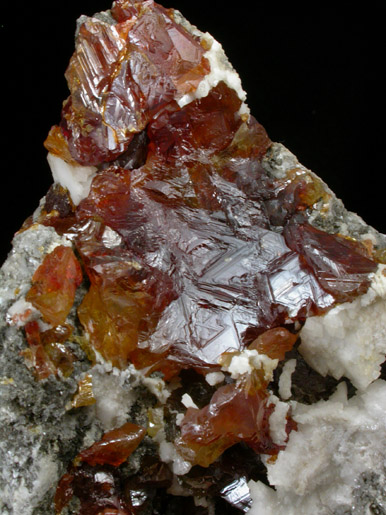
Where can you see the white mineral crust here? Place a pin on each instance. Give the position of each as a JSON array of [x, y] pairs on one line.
[[285, 379], [350, 340], [339, 443]]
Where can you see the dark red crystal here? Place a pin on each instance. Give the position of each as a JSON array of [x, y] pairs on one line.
[[115, 446], [120, 76], [97, 488], [341, 265]]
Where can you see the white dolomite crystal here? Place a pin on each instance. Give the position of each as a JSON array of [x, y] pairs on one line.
[[285, 379], [77, 179], [247, 361], [350, 340], [214, 378], [278, 420], [188, 402], [338, 443]]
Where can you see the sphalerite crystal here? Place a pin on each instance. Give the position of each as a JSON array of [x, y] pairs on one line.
[[179, 271]]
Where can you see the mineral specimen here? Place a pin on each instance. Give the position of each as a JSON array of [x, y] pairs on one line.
[[175, 308]]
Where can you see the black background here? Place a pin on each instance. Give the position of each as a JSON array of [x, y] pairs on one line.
[[313, 80]]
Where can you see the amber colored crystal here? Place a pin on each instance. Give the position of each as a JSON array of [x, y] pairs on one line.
[[45, 355], [57, 145], [54, 285], [237, 412], [122, 301], [84, 396], [274, 342], [35, 356], [115, 446], [58, 334]]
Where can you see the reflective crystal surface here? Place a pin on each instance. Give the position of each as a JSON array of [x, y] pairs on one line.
[[185, 255], [185, 252], [120, 76]]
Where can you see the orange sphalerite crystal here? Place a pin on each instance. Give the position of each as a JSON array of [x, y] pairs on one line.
[[237, 412], [54, 285], [115, 446]]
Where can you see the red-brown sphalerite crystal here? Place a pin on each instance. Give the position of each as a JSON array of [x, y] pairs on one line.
[[237, 412], [47, 353], [113, 449], [121, 76], [54, 285], [193, 251], [115, 446], [274, 343]]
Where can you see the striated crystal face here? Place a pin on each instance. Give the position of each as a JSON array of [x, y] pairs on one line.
[[186, 255], [198, 265], [121, 76]]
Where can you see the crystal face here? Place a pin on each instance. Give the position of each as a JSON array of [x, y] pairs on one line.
[[237, 412], [54, 284], [121, 76], [186, 255], [180, 278]]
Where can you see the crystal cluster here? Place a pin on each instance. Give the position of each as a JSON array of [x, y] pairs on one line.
[[185, 263]]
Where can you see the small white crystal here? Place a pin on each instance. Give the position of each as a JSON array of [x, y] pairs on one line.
[[278, 420], [169, 454], [21, 312], [214, 378], [77, 179], [247, 361], [285, 379], [179, 418], [188, 402]]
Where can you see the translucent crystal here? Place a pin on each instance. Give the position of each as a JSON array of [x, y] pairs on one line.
[[54, 285]]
